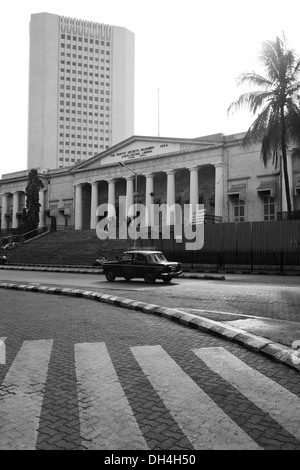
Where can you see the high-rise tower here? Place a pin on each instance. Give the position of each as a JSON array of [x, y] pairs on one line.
[[81, 89]]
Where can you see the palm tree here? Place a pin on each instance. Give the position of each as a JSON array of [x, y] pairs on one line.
[[275, 103]]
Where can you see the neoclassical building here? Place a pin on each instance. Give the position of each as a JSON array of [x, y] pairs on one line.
[[231, 182]]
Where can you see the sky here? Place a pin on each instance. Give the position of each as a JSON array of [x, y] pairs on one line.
[[188, 55]]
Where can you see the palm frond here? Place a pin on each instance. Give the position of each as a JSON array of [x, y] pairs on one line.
[[269, 58], [292, 119], [271, 142], [253, 79], [252, 100], [278, 85], [257, 130]]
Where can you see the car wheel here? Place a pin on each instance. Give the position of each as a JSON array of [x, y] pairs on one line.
[[167, 279], [110, 275], [149, 277]]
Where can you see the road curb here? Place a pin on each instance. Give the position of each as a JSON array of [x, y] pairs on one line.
[[95, 270], [276, 351], [192, 274]]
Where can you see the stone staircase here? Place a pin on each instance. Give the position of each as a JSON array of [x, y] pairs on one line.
[[72, 247]]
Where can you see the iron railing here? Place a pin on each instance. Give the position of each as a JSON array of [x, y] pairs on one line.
[[14, 237], [295, 215], [253, 260]]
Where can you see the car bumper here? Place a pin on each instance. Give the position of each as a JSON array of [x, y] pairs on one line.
[[172, 274]]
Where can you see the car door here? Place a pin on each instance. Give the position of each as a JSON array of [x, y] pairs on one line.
[[139, 264], [125, 267]]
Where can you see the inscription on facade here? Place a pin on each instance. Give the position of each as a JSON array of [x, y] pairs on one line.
[[139, 152]]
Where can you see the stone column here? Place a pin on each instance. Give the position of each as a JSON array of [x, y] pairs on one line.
[[94, 204], [78, 207], [15, 209], [4, 211], [42, 207], [111, 198], [130, 182], [149, 216], [194, 197], [219, 189], [171, 196], [290, 173]]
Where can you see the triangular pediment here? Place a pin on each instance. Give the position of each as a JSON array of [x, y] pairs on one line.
[[137, 147]]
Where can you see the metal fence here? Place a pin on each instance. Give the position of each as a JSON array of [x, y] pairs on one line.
[[253, 260]]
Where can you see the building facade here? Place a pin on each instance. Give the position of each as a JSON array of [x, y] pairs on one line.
[[81, 89], [216, 171]]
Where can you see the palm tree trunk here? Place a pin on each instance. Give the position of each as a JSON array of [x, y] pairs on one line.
[[285, 169]]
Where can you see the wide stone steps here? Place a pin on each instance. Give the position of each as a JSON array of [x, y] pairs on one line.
[[80, 247]]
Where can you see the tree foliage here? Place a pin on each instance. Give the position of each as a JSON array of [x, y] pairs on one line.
[[275, 103], [30, 217]]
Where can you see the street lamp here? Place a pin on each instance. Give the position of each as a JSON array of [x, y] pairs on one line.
[[135, 191]]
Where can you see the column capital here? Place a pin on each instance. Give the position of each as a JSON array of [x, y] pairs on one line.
[[194, 168], [170, 172], [148, 175], [218, 164], [129, 178], [111, 180], [289, 152], [94, 183], [78, 185]]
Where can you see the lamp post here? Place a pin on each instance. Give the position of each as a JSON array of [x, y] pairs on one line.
[[135, 190]]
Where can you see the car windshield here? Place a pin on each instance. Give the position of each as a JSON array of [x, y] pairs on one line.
[[156, 257]]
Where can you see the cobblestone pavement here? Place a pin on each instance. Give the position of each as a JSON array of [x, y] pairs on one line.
[[83, 375]]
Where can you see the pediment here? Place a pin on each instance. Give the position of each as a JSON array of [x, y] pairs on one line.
[[137, 147]]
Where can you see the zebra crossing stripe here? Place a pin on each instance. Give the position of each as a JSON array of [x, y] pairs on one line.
[[106, 418], [21, 396], [281, 404], [202, 421]]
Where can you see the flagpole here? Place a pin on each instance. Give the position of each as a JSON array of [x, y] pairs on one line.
[[158, 110]]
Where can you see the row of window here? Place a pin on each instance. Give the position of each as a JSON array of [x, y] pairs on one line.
[[96, 99], [91, 50], [87, 121], [80, 64], [79, 80], [85, 89], [66, 118], [239, 206], [80, 152], [74, 96], [78, 144], [85, 40], [84, 154], [90, 106], [79, 136], [78, 56], [90, 65], [85, 129], [64, 86]]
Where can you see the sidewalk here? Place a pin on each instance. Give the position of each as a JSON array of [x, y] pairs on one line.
[[266, 336]]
